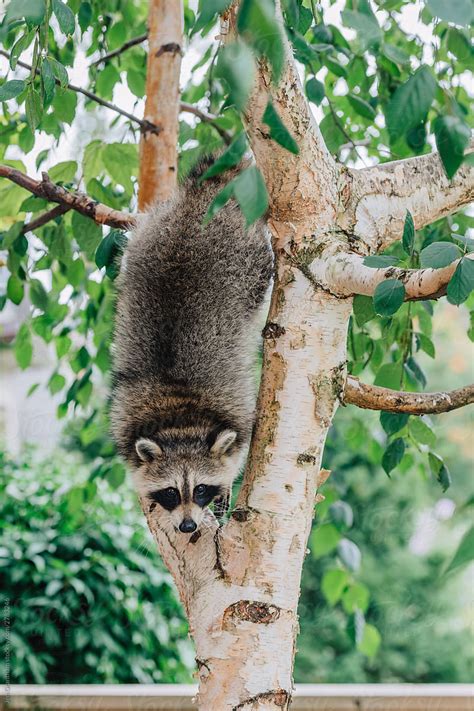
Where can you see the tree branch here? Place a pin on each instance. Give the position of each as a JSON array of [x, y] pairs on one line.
[[145, 126], [372, 397], [44, 218], [44, 188], [378, 198], [120, 50], [344, 274], [158, 156]]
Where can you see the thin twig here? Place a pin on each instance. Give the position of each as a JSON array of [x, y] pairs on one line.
[[143, 123], [145, 126], [115, 53], [44, 218]]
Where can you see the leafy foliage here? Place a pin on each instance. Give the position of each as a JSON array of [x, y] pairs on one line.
[[81, 578]]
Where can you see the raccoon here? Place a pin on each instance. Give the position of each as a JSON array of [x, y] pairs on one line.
[[190, 307]]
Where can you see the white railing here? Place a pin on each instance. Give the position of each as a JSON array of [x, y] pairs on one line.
[[174, 697]]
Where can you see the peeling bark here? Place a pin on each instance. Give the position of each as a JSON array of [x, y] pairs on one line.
[[344, 274], [379, 197], [158, 159]]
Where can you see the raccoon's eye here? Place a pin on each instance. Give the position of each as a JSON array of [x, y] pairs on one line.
[[203, 495], [200, 490], [170, 493]]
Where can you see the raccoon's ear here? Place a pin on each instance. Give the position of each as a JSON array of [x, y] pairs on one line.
[[224, 440], [147, 450]]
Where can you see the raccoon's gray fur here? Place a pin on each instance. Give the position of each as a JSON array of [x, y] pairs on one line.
[[186, 340]]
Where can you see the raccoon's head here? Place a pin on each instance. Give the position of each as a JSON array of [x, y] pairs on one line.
[[185, 477]]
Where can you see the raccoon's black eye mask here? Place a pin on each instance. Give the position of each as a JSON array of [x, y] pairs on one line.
[[170, 497]]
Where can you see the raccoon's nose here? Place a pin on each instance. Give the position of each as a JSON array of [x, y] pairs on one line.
[[187, 525]]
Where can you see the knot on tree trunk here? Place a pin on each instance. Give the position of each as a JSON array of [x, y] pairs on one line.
[[248, 611]]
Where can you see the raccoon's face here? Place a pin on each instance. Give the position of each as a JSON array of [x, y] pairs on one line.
[[185, 479]]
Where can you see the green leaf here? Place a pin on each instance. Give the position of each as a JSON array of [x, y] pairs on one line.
[[366, 26], [333, 134], [251, 193], [38, 295], [236, 66], [393, 455], [389, 376], [464, 553], [64, 16], [333, 584], [393, 422], [462, 282], [48, 82], [388, 297], [257, 24], [59, 71], [356, 597], [410, 103], [324, 539], [408, 238], [230, 158], [11, 89], [116, 475], [33, 107], [278, 130], [86, 233], [315, 91], [439, 254], [56, 383], [460, 12], [92, 164], [32, 10], [426, 344], [350, 554], [439, 470], [379, 261], [208, 9], [395, 54], [467, 242], [110, 248], [23, 346], [452, 138], [422, 432], [20, 45], [65, 104], [370, 641], [121, 162], [63, 172], [15, 289], [136, 82], [219, 201], [363, 307], [361, 107]]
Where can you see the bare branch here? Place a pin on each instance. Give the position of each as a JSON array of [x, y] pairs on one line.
[[44, 188], [120, 50], [373, 397], [379, 197], [158, 155], [44, 218], [345, 274], [145, 126]]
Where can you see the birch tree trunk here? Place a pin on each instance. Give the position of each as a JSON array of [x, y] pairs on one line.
[[240, 583]]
